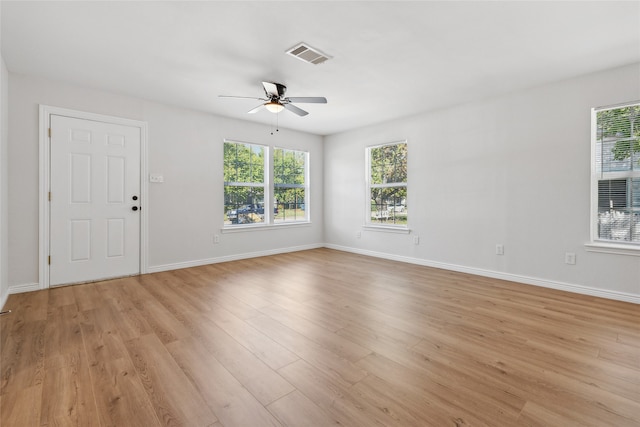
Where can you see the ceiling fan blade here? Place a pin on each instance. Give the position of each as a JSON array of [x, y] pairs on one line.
[[242, 97], [308, 99], [255, 110], [296, 110]]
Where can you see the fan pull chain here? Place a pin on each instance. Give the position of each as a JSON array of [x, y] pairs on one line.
[[277, 124]]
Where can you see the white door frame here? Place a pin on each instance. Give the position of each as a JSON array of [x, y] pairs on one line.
[[45, 184]]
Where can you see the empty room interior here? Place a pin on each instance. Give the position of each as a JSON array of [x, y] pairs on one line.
[[315, 213]]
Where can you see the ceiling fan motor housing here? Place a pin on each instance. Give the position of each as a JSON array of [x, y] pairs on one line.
[[280, 88]]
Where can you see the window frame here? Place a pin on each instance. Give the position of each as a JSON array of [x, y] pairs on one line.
[[268, 190], [368, 223], [596, 243]]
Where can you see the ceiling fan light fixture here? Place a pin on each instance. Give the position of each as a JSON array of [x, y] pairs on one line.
[[274, 107]]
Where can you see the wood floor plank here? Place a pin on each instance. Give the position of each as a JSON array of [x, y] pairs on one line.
[[87, 297], [61, 296], [23, 357], [375, 339], [317, 337], [317, 355], [309, 314], [173, 396], [164, 324], [622, 355], [101, 334], [518, 366], [327, 339], [233, 305], [392, 402], [173, 299], [425, 410], [375, 312], [132, 323], [437, 390], [231, 402], [629, 338], [264, 347], [63, 334], [255, 375], [360, 319], [201, 295], [295, 409], [17, 407], [120, 396], [68, 384], [522, 372], [337, 396], [263, 382], [535, 415]]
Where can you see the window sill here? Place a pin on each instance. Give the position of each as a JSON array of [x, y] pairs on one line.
[[612, 248], [386, 229], [263, 227]]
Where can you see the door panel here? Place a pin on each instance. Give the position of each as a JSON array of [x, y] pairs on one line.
[[80, 239], [95, 173], [80, 178], [115, 237], [115, 179]]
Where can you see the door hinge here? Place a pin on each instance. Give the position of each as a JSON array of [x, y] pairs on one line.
[[49, 195], [49, 260], [49, 132]]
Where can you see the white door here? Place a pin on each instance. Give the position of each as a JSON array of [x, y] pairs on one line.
[[95, 200]]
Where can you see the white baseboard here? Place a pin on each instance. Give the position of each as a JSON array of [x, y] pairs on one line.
[[196, 263], [569, 287], [26, 287]]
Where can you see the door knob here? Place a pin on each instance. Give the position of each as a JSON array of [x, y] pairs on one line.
[[135, 208]]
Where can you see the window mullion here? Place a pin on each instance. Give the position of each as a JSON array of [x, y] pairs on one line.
[[268, 173]]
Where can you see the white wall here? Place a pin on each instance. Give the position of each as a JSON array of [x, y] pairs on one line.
[[4, 182], [185, 146], [513, 170]]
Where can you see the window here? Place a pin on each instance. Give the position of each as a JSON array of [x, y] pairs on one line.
[[289, 182], [244, 183], [247, 191], [616, 175], [387, 185]]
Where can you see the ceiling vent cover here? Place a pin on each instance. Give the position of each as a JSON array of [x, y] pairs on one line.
[[306, 53]]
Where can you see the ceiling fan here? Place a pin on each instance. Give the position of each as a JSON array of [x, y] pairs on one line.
[[276, 101]]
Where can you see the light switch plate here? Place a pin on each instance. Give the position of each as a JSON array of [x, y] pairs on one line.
[[156, 177]]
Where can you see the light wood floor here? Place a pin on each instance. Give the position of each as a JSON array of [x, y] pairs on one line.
[[317, 338]]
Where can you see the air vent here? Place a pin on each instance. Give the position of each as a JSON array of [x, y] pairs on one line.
[[306, 53]]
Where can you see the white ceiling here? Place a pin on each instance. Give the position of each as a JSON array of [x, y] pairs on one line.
[[390, 58]]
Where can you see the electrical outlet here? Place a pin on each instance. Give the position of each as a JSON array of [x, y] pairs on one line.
[[216, 239], [358, 234], [570, 258], [499, 249], [416, 240]]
